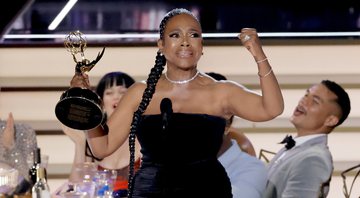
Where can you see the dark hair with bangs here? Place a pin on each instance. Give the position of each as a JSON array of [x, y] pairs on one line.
[[109, 79], [342, 100]]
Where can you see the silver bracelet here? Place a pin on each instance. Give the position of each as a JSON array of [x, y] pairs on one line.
[[268, 73], [263, 60]]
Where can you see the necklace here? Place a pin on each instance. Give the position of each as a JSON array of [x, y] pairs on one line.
[[182, 81]]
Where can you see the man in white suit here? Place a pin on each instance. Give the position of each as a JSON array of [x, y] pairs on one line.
[[305, 170]]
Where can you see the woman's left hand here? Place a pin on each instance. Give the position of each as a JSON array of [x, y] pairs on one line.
[[250, 39]]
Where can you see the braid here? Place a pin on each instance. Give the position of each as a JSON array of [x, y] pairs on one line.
[[153, 78]]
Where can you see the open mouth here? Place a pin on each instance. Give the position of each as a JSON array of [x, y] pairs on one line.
[[299, 110], [185, 54]]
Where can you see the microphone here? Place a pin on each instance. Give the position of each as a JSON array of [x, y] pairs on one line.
[[166, 111]]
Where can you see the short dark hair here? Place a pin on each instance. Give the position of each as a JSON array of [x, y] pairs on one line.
[[119, 78], [342, 100]]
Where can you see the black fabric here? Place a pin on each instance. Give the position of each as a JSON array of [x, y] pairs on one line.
[[10, 12], [181, 160], [88, 152]]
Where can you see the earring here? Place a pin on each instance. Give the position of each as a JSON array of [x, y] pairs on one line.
[[202, 53]]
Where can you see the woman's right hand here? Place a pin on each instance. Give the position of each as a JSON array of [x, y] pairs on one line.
[[80, 80], [77, 136]]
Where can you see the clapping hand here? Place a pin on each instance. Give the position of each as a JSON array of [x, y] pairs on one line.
[[8, 135]]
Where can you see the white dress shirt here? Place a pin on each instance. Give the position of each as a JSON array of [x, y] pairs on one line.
[[299, 141], [247, 173]]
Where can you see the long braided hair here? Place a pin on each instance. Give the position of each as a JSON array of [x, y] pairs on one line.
[[151, 82]]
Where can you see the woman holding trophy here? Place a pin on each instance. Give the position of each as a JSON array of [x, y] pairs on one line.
[[179, 117]]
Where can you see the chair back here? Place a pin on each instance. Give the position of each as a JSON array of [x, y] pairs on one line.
[[266, 156], [349, 177]]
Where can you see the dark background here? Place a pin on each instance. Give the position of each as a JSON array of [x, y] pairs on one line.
[[122, 16], [10, 11]]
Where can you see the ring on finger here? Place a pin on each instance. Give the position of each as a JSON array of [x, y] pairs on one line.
[[246, 37]]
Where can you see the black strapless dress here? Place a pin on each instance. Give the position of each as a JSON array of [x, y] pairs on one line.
[[181, 161]]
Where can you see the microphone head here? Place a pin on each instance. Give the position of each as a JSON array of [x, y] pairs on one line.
[[166, 105]]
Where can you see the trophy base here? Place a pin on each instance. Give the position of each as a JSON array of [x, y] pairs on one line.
[[79, 109]]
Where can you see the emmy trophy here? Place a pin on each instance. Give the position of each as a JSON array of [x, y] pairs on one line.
[[79, 108]]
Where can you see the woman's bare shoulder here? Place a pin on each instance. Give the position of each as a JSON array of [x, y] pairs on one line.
[[137, 87]]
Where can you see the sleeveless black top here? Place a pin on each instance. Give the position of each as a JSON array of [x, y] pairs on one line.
[[181, 160]]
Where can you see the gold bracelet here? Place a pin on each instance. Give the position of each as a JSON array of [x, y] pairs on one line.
[[263, 60], [268, 73]]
